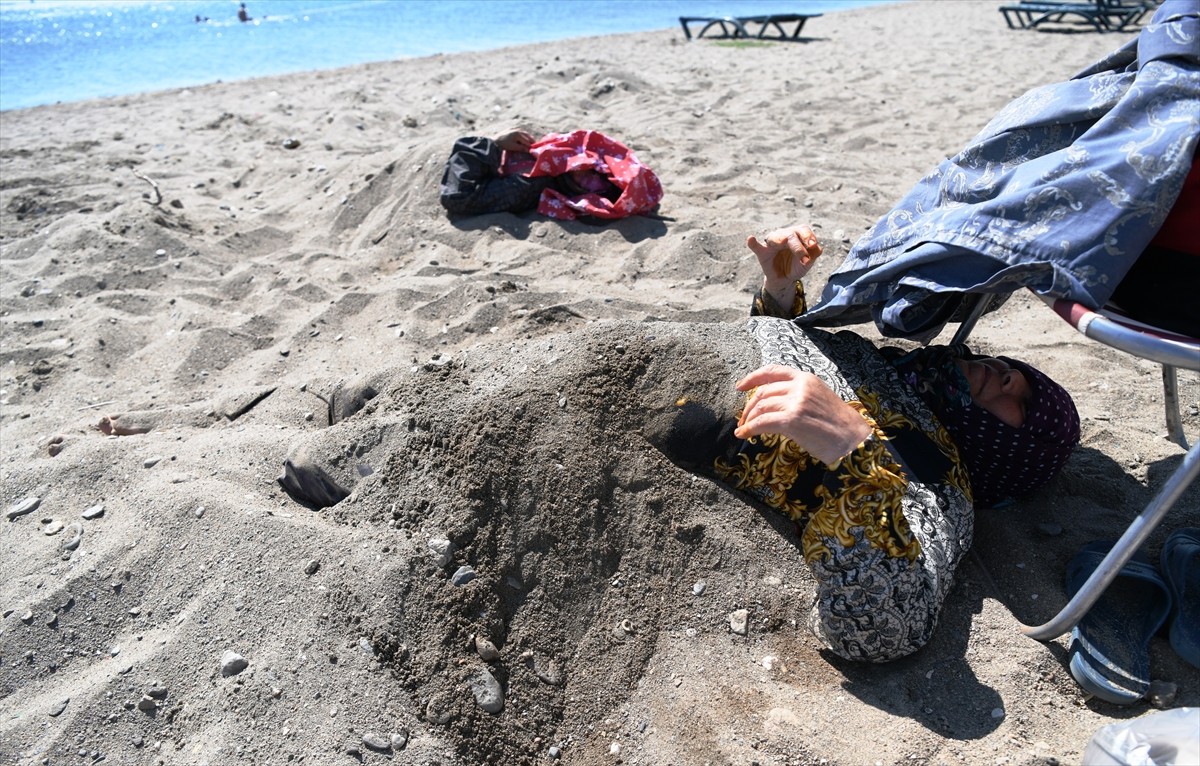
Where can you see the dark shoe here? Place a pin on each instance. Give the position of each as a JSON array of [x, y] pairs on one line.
[[1110, 656], [1181, 568]]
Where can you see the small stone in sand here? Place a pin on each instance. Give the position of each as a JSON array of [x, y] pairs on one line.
[[28, 505], [487, 691], [74, 534], [232, 663], [95, 512], [437, 710], [1161, 694], [441, 548], [377, 742], [738, 620], [486, 649], [311, 567], [58, 707], [464, 575]]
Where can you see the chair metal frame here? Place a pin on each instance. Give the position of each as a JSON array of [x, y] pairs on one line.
[[1172, 352]]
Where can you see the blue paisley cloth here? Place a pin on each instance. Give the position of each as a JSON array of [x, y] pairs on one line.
[[1059, 193]]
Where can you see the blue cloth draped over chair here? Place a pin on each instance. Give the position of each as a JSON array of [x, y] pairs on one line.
[[1059, 193]]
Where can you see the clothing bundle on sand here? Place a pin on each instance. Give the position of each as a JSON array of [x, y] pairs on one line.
[[564, 174]]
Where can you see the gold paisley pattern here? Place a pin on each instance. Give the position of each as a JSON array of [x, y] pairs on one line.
[[889, 422], [770, 473], [863, 489], [867, 489]]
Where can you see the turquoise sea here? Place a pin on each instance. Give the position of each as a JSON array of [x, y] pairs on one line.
[[69, 50]]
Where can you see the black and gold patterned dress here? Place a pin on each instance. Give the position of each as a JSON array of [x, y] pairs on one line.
[[885, 527]]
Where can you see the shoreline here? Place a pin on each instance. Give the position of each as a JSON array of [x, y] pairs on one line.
[[268, 282], [586, 38]]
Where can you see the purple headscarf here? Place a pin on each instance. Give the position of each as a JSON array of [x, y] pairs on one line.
[[1002, 461]]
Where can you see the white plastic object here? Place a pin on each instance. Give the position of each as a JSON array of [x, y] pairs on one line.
[[1165, 738]]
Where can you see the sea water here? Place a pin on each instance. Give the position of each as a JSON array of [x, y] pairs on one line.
[[69, 50]]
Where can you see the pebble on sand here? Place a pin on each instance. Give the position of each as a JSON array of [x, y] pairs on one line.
[[232, 663], [486, 649], [463, 575], [441, 548], [377, 742], [738, 620], [437, 710], [488, 694], [28, 505], [74, 534]]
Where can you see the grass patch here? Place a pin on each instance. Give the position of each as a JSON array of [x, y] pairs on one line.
[[744, 44]]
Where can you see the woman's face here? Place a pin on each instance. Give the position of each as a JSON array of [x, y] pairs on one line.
[[998, 388]]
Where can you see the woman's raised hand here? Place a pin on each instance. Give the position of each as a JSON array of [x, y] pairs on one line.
[[799, 406], [787, 254]]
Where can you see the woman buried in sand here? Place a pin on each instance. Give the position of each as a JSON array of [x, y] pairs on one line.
[[878, 455]]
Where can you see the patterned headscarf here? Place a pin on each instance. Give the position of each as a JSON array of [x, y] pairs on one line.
[[1002, 461]]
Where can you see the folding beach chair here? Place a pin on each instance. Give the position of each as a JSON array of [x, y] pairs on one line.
[[1173, 352]]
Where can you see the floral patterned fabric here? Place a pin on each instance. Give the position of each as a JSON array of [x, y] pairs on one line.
[[1060, 192], [559, 153]]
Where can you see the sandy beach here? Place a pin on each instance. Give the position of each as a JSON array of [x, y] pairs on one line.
[[187, 303]]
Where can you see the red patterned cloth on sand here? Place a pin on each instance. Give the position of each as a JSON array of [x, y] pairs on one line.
[[559, 153]]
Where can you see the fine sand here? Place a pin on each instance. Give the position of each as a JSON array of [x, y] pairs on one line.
[[514, 360]]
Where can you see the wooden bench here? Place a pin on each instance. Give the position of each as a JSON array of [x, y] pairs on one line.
[[772, 27]]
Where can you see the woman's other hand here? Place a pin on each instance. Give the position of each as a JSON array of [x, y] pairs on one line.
[[785, 257], [798, 405], [515, 141]]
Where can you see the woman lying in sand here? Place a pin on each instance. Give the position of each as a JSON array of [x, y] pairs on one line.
[[878, 455]]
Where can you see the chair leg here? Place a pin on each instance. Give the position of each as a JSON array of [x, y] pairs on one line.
[[1139, 529], [1171, 402], [982, 301]]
